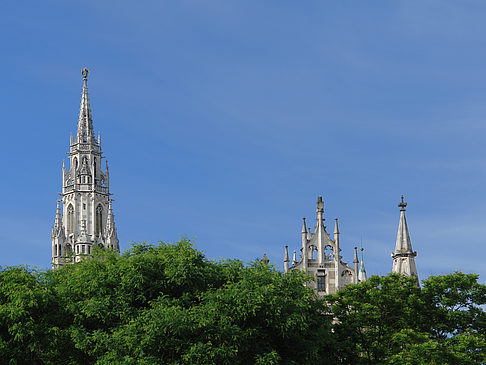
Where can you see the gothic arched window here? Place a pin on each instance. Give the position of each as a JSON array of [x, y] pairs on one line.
[[321, 283], [94, 167], [70, 219], [99, 219]]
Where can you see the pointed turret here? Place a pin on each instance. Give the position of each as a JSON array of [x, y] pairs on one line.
[[304, 227], [85, 133], [305, 250], [294, 259], [404, 256], [355, 265], [58, 219], [58, 237], [63, 184], [337, 255], [362, 271], [107, 176], [336, 238], [286, 259], [320, 230], [111, 235]]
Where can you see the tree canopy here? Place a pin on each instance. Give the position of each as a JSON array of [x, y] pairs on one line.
[[169, 304]]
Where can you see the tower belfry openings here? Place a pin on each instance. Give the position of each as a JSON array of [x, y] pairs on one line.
[[84, 216]]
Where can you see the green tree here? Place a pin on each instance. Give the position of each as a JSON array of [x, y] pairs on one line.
[[31, 318], [389, 320], [169, 304]]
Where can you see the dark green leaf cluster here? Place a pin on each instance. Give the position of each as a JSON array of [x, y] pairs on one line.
[[389, 320], [164, 304], [168, 304]]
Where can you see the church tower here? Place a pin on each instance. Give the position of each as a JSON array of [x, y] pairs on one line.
[[84, 215], [321, 258], [404, 256]]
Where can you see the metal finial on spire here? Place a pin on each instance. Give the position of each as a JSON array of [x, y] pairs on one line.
[[85, 73], [402, 204], [320, 205]]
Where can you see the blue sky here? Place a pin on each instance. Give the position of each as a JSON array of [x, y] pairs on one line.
[[224, 120]]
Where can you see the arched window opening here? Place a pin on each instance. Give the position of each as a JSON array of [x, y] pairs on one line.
[[70, 219], [99, 220], [321, 283], [329, 252], [94, 166], [60, 251], [75, 162]]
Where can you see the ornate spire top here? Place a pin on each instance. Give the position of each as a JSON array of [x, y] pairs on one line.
[[403, 243], [320, 205], [85, 132], [402, 204], [85, 73]]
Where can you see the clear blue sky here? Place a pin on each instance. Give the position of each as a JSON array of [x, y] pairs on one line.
[[224, 120]]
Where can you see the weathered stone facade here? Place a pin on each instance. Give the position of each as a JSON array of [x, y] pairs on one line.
[[84, 216], [321, 257]]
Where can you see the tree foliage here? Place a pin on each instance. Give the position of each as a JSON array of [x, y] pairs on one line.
[[169, 304], [389, 320]]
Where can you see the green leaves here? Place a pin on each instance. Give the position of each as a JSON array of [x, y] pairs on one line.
[[168, 304], [390, 320]]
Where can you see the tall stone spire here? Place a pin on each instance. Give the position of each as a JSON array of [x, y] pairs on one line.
[[87, 218], [85, 132], [404, 256]]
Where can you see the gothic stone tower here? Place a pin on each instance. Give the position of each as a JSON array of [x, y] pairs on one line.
[[404, 255], [86, 217], [321, 257]]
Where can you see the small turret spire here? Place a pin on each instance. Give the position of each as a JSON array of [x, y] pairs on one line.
[[58, 220], [294, 259], [337, 254], [286, 259], [336, 228], [320, 230], [362, 271], [355, 265], [304, 227]]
